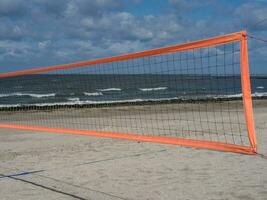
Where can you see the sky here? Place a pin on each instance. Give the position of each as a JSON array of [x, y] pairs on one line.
[[36, 33]]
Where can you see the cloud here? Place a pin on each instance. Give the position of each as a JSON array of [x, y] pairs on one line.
[[14, 50], [185, 6], [11, 31], [44, 32], [256, 20], [44, 44], [14, 8], [92, 8]]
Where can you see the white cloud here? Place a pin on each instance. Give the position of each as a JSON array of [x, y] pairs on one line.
[[257, 17], [71, 9], [82, 29], [44, 44], [88, 23]]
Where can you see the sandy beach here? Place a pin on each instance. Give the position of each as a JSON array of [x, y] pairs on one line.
[[35, 165], [213, 121]]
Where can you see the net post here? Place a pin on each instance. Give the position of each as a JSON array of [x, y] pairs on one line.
[[246, 91]]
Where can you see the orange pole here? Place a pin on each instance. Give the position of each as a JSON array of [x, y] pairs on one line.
[[246, 90]]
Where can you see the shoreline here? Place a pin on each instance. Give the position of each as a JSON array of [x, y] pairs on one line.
[[56, 106]]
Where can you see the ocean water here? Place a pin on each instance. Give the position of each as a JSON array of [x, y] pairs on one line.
[[72, 89]]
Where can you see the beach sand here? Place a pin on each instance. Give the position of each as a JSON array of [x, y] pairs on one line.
[[39, 165]]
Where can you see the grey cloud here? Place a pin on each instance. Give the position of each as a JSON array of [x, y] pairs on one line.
[[253, 15], [92, 8], [10, 30], [98, 6], [55, 8], [62, 31], [185, 6], [12, 8]]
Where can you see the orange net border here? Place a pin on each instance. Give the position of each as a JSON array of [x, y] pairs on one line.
[[246, 91]]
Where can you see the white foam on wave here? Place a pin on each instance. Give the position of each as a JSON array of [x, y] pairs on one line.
[[73, 99], [109, 89], [256, 94], [93, 93], [260, 87], [259, 94], [233, 95], [77, 101], [87, 102], [10, 105], [152, 89], [28, 94]]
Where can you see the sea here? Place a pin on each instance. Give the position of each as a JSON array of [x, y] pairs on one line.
[[94, 89]]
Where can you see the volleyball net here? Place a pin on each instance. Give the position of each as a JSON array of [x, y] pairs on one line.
[[195, 94]]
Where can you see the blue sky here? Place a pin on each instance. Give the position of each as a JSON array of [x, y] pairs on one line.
[[36, 33]]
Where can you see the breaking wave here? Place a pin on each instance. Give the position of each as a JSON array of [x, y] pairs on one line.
[[28, 94], [152, 89], [93, 93], [109, 89], [74, 99], [77, 101]]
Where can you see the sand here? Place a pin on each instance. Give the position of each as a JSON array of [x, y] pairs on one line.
[[36, 165], [202, 120]]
